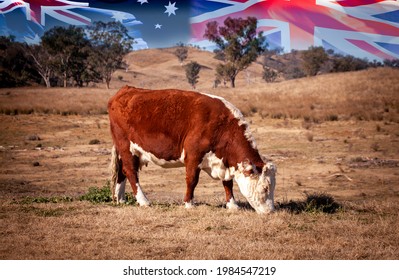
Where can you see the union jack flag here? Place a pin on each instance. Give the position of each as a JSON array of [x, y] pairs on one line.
[[30, 18], [362, 28]]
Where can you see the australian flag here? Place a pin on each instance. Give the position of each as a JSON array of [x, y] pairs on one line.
[[362, 28], [151, 23]]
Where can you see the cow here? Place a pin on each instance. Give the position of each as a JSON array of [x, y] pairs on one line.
[[176, 128]]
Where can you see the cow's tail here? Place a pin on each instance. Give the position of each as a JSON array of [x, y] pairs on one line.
[[114, 170]]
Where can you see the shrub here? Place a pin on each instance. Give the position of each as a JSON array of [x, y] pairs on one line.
[[394, 63], [347, 63], [192, 73], [181, 53], [313, 59], [269, 75]]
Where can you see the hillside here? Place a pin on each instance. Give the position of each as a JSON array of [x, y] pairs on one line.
[[160, 68], [363, 95]]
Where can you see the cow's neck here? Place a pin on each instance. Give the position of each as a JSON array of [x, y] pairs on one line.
[[238, 148]]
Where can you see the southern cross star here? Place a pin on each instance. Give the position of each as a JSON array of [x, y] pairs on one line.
[[170, 9]]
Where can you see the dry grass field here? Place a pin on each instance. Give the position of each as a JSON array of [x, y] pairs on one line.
[[334, 138]]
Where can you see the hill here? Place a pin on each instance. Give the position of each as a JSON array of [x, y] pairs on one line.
[[363, 95]]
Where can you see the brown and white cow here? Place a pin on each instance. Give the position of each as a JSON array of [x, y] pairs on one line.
[[176, 128]]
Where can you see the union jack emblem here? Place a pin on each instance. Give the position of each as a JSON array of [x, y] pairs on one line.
[[36, 10], [367, 28], [63, 12]]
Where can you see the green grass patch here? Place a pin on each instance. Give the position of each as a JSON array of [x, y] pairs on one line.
[[104, 195], [42, 199], [314, 203], [97, 195], [94, 195], [49, 212]]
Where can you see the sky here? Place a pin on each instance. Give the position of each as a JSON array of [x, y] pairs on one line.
[[27, 20], [174, 27], [366, 29]]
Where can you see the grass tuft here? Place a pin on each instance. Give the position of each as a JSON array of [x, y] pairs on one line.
[[41, 199], [97, 195], [320, 203], [104, 195], [314, 203], [94, 195]]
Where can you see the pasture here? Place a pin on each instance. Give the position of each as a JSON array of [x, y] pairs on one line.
[[334, 138]]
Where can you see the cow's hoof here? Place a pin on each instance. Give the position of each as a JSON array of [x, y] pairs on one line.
[[144, 203], [188, 205], [232, 205]]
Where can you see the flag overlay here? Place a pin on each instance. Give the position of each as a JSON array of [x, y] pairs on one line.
[[365, 29]]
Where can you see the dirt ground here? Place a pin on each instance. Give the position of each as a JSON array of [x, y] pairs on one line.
[[355, 162]]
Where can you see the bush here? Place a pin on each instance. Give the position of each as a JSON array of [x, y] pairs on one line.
[[313, 59], [394, 63], [192, 73], [181, 53], [348, 63], [269, 75]]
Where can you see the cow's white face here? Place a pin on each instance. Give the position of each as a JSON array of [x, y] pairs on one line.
[[258, 188]]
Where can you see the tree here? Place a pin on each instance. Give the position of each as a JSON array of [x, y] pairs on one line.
[[181, 53], [346, 63], [42, 62], [68, 47], [111, 42], [238, 43], [313, 59], [16, 68], [225, 73], [394, 63], [192, 73]]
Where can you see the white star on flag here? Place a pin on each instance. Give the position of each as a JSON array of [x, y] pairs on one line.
[[170, 9], [142, 1], [119, 16], [158, 26]]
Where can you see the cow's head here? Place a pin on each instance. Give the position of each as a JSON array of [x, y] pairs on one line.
[[258, 188]]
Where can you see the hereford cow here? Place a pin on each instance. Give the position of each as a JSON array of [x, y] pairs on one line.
[[176, 128]]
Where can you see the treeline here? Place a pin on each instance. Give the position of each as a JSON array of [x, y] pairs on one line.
[[313, 61], [75, 56], [238, 45], [70, 56]]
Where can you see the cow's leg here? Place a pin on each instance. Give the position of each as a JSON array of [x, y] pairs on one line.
[[131, 165], [119, 194], [140, 196], [230, 201], [192, 177]]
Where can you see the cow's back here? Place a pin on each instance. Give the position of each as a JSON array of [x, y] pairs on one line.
[[163, 121]]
